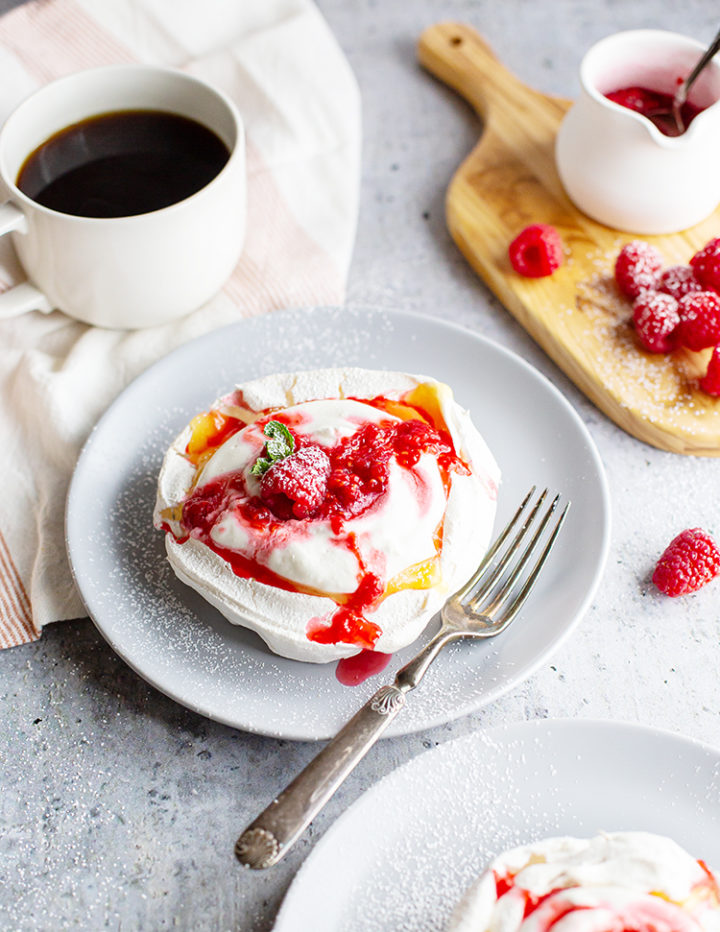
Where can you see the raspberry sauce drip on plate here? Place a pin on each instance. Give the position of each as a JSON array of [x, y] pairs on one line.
[[351, 671]]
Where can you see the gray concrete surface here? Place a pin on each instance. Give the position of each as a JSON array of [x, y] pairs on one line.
[[119, 808]]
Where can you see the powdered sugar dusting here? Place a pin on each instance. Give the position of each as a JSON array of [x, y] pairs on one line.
[[638, 267], [467, 802], [187, 650], [660, 388], [678, 281], [403, 855]]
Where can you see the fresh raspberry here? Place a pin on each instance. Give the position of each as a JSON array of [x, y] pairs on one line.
[[537, 251], [656, 319], [360, 469], [295, 487], [699, 320], [710, 382], [706, 265], [638, 268], [691, 560], [678, 281]]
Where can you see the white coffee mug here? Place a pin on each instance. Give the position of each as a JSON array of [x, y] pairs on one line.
[[123, 272]]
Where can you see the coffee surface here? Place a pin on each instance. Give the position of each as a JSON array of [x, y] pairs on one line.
[[123, 163]]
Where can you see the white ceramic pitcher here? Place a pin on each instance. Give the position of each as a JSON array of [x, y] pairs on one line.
[[123, 272], [615, 165]]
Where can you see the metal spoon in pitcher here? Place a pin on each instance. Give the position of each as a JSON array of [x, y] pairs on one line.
[[671, 118]]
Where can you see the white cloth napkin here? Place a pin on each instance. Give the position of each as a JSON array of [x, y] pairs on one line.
[[278, 60]]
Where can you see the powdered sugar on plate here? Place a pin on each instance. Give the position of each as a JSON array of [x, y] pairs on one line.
[[185, 648], [401, 857]]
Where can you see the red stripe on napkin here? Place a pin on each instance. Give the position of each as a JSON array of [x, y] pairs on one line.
[[281, 266], [49, 40], [52, 39], [16, 626]]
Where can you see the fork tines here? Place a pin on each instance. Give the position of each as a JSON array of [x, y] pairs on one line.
[[507, 564]]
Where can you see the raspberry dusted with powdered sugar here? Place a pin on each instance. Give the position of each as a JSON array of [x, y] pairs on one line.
[[690, 561], [678, 281], [706, 265], [536, 251], [638, 268], [710, 382], [699, 325], [656, 318], [295, 487]]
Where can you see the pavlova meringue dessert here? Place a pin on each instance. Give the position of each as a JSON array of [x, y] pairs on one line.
[[621, 882], [330, 511]]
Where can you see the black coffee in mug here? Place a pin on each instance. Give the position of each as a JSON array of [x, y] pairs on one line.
[[123, 163]]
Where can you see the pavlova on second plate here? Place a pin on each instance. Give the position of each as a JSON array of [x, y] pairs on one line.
[[614, 882], [330, 511]]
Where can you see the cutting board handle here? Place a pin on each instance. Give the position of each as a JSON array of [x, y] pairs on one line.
[[457, 55]]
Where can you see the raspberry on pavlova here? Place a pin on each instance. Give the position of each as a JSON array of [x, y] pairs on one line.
[[619, 882], [330, 511]]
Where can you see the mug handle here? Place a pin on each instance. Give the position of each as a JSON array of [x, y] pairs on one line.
[[23, 297]]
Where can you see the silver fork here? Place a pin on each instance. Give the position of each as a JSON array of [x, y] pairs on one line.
[[482, 608]]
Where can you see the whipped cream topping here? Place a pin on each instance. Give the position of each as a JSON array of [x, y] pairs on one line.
[[621, 881], [311, 554], [324, 559]]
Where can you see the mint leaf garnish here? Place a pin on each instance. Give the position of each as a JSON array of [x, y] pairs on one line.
[[260, 466], [280, 443]]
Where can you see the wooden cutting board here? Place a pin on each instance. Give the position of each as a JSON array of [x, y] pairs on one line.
[[577, 315]]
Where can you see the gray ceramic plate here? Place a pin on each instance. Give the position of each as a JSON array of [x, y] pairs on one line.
[[185, 648], [445, 814]]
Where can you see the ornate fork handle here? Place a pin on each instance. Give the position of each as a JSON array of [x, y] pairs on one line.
[[267, 839], [277, 828], [483, 607]]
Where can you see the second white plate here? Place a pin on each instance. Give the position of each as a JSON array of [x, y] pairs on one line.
[[402, 855], [185, 648]]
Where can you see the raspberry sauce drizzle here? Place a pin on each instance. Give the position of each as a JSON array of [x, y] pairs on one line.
[[552, 912], [357, 480], [645, 917]]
